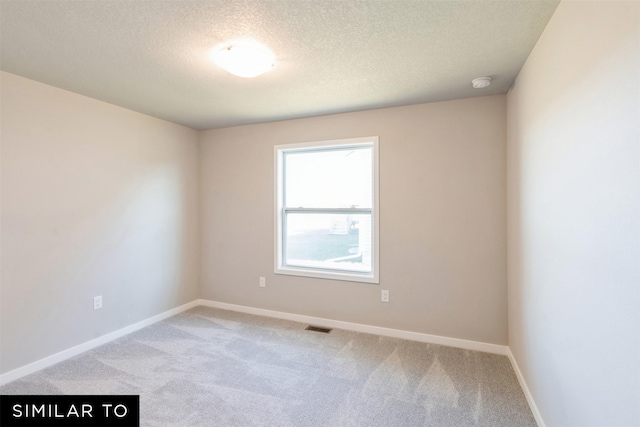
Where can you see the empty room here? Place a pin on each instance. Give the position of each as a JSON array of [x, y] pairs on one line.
[[320, 213]]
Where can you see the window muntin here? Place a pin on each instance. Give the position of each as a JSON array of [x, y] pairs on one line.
[[326, 209]]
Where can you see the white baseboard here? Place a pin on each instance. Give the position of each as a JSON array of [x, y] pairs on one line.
[[525, 388], [318, 321], [73, 351], [357, 327]]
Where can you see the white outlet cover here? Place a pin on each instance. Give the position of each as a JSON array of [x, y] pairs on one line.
[[384, 295], [97, 302]]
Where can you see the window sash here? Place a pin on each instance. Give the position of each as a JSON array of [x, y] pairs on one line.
[[320, 149], [324, 265], [352, 211]]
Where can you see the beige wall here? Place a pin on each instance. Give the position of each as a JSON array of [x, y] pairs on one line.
[[442, 210], [574, 216], [96, 200]]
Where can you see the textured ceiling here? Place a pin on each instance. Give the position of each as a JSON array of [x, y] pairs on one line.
[[332, 56]]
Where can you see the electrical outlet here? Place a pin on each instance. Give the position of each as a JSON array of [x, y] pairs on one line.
[[384, 295], [263, 282], [97, 302]]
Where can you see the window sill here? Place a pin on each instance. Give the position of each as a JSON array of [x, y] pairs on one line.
[[329, 275]]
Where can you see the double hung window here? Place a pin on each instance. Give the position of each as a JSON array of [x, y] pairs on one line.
[[327, 209]]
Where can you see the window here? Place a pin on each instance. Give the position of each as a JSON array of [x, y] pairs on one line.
[[327, 209]]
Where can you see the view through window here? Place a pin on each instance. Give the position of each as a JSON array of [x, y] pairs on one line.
[[327, 224]]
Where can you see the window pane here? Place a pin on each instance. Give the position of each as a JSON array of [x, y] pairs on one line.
[[339, 178], [332, 241]]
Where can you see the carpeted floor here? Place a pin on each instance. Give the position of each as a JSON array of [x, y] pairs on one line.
[[210, 367]]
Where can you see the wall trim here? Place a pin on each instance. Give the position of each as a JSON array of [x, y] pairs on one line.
[[74, 351], [318, 321], [358, 327], [525, 388]]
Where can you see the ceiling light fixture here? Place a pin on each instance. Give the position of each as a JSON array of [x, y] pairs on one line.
[[244, 59], [481, 82]]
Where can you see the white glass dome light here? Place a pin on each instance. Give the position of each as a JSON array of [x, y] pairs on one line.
[[481, 82], [244, 59]]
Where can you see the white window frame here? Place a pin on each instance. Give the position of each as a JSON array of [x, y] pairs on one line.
[[324, 273]]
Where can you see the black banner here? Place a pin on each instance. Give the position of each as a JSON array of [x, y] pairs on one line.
[[69, 411]]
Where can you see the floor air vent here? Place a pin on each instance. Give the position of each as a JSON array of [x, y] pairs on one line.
[[318, 329]]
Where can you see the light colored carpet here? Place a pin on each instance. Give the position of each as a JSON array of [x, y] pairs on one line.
[[210, 367]]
